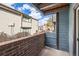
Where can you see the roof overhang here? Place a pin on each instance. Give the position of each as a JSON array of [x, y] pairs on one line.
[[50, 7]]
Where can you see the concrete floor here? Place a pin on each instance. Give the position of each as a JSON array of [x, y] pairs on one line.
[[47, 51]]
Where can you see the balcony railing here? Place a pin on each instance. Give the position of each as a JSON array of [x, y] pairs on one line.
[[25, 46]]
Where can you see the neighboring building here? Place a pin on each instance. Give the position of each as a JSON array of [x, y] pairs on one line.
[[45, 28], [34, 26], [13, 21], [50, 25]]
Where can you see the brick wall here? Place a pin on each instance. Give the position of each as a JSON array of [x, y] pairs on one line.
[[26, 46]]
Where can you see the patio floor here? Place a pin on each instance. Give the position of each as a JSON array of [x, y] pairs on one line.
[[47, 51]]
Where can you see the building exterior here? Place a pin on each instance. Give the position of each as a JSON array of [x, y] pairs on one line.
[[12, 21], [67, 29], [65, 38]]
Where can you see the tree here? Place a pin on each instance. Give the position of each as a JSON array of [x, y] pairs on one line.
[[49, 23]]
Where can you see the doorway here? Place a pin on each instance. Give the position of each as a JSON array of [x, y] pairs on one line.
[[76, 31], [52, 37]]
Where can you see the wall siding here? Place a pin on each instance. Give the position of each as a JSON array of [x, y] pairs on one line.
[[63, 32], [50, 39], [64, 29], [7, 19]]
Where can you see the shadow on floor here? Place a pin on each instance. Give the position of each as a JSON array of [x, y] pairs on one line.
[[47, 51]]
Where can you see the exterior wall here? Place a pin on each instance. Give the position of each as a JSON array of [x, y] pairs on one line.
[[26, 46], [7, 19], [63, 32], [64, 29], [34, 26], [50, 39], [71, 28]]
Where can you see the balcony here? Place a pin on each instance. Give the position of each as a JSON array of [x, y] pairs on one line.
[[40, 44], [29, 46]]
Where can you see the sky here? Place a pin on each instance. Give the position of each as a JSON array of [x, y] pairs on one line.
[[27, 8]]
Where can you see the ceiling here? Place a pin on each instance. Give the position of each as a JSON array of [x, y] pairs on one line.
[[50, 7]]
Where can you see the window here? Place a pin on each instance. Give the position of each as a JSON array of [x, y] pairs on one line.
[[27, 20]]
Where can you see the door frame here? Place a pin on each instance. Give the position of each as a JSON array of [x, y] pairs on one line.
[[75, 29], [57, 29]]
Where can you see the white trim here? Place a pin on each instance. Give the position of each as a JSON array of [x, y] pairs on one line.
[[77, 20]]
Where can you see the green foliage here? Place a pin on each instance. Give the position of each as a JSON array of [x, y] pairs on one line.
[[49, 23]]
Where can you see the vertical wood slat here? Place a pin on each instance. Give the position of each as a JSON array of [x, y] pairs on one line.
[[30, 46]]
